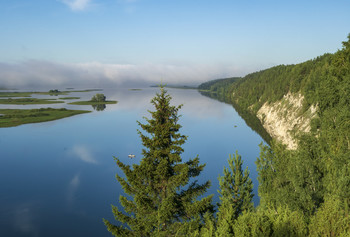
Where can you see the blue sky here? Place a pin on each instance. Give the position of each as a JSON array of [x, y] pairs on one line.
[[183, 41]]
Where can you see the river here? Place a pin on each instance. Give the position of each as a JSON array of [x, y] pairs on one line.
[[58, 178]]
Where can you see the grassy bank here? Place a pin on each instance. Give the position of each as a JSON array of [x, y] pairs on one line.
[[52, 93], [15, 117], [30, 101], [93, 102], [69, 98], [16, 94]]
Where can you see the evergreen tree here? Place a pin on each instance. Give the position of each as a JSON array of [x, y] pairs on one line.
[[236, 195], [162, 201], [275, 222], [331, 219]]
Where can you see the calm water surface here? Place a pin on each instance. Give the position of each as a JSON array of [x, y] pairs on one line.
[[58, 178]]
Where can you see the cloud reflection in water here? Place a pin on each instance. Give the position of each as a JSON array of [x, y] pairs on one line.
[[84, 154], [24, 220], [72, 188]]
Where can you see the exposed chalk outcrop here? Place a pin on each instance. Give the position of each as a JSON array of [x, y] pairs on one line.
[[285, 118]]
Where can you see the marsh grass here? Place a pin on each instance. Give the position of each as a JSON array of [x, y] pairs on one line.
[[69, 98], [25, 101], [15, 117], [93, 102], [15, 94], [30, 93]]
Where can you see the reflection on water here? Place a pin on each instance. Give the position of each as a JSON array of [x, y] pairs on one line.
[[73, 186], [24, 220], [83, 153], [251, 120], [58, 178], [99, 107]]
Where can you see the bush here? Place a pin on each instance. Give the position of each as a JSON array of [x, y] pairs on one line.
[[98, 98], [331, 219]]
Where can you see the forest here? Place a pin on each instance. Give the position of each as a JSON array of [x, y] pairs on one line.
[[303, 192]]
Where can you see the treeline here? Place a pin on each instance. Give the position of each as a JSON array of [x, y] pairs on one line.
[[313, 182], [218, 86]]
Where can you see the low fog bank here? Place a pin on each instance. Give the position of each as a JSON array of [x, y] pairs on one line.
[[44, 74]]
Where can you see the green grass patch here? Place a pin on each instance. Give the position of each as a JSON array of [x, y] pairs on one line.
[[52, 93], [93, 102], [16, 94], [178, 87], [56, 92], [15, 117], [88, 90], [69, 98], [29, 101]]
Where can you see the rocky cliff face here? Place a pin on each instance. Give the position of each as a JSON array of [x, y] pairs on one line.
[[286, 118]]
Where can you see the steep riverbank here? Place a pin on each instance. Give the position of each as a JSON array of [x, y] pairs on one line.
[[286, 118]]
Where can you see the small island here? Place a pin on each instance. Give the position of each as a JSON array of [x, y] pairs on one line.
[[98, 99], [54, 92], [15, 117]]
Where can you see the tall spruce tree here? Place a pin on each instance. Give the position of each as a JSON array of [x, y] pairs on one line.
[[236, 195], [161, 201]]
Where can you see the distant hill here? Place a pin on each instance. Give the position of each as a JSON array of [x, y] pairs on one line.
[[217, 84], [177, 86], [314, 95]]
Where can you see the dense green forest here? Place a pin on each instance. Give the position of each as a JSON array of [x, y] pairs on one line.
[[303, 192], [218, 86], [313, 180]]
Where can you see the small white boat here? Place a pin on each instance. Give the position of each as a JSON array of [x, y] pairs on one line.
[[131, 156]]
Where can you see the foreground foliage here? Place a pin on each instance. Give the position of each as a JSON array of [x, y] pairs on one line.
[[235, 195]]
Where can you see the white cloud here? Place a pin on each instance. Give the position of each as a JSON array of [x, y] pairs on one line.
[[77, 5], [34, 73], [83, 153]]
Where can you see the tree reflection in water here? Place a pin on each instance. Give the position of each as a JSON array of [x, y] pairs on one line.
[[99, 107]]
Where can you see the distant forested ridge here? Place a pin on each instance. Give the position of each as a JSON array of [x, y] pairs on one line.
[[323, 82], [214, 85], [306, 188]]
